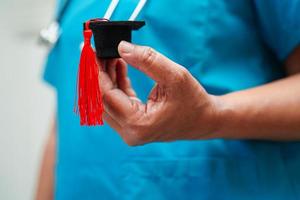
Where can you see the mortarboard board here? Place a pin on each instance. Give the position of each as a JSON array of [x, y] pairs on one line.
[[108, 35]]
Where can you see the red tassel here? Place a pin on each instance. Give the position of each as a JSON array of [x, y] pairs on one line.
[[89, 104]]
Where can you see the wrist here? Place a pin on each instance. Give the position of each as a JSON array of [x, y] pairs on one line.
[[222, 118]]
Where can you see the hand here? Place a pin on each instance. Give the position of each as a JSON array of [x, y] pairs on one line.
[[178, 108]]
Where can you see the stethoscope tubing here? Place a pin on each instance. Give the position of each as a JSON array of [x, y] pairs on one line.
[[50, 35]]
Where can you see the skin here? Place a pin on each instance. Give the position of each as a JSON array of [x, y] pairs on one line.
[[267, 112], [188, 111], [45, 185]]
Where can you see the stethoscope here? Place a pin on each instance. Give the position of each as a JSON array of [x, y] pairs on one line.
[[50, 35]]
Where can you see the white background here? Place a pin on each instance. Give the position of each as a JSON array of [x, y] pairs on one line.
[[26, 102]]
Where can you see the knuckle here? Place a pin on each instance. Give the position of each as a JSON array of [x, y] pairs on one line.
[[106, 97], [134, 138], [135, 131], [130, 142], [131, 121], [182, 75], [138, 134], [138, 131], [148, 56]]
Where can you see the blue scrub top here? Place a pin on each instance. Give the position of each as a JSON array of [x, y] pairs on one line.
[[227, 46]]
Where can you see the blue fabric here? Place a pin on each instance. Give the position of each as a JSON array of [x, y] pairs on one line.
[[280, 26], [227, 46]]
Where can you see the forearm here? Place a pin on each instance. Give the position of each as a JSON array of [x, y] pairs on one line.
[[270, 112], [46, 178]]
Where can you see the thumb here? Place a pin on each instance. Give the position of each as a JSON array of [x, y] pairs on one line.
[[158, 67]]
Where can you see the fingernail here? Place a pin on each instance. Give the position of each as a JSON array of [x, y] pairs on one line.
[[125, 47]]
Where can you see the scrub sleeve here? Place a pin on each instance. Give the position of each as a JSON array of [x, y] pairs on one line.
[[280, 25]]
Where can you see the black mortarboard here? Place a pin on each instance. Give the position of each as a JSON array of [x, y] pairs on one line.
[[108, 35]]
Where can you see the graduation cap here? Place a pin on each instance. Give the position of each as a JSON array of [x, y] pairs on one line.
[[107, 36]]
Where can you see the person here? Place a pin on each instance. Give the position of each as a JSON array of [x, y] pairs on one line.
[[221, 122]]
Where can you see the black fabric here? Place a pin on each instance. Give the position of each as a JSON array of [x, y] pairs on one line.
[[108, 35]]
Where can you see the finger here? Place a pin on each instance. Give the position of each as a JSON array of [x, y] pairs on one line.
[[106, 76], [101, 64], [105, 82], [119, 106], [111, 70], [147, 60], [112, 123], [122, 79]]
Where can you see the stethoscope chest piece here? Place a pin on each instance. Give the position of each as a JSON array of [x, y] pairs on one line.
[[49, 35]]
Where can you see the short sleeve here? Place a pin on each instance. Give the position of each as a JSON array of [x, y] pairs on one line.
[[50, 72], [280, 24]]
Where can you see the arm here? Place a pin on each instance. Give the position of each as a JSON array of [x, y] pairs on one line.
[[46, 177], [271, 111], [178, 107]]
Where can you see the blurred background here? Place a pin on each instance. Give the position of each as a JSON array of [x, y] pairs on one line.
[[26, 102]]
